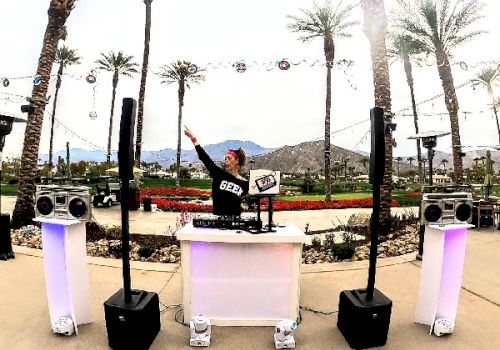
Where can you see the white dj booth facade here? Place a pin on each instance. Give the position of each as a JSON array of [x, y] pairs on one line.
[[237, 278]]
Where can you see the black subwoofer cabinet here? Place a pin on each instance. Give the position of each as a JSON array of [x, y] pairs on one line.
[[364, 323], [132, 325]]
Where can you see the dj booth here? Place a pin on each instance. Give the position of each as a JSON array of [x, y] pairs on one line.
[[238, 278]]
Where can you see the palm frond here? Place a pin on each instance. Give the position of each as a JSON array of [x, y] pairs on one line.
[[440, 25], [322, 21], [118, 62], [177, 71]]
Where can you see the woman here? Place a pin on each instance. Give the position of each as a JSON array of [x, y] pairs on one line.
[[227, 185]]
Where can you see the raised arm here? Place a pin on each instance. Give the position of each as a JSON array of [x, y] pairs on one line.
[[204, 157]]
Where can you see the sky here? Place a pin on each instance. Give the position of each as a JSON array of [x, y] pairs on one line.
[[270, 107]]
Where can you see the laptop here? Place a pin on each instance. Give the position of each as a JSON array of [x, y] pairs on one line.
[[264, 182]]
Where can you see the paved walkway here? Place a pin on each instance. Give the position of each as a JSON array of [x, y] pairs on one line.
[[25, 320]]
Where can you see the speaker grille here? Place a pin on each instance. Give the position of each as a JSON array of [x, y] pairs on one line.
[[77, 208], [432, 213], [463, 212], [44, 205]]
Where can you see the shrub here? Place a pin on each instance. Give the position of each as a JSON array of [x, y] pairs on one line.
[[316, 243], [146, 251], [29, 231]]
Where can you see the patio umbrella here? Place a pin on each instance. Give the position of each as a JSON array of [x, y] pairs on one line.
[[115, 171], [488, 177]]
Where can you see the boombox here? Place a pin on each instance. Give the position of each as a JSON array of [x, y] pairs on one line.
[[63, 202], [446, 208]]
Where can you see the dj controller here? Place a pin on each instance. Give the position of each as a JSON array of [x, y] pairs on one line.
[[222, 222]]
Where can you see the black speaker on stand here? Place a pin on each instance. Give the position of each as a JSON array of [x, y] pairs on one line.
[[132, 316], [6, 251], [365, 314]]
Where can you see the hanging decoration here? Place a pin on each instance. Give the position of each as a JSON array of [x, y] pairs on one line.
[[284, 64], [37, 80], [93, 113], [192, 69], [5, 82], [91, 79], [240, 66]]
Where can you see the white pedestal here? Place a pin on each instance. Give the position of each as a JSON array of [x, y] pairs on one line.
[[441, 275], [236, 278], [65, 267]]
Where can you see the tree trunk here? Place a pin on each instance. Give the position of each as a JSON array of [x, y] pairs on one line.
[[409, 79], [496, 117], [329, 49], [451, 101], [110, 132], [24, 211], [375, 28], [179, 122], [51, 143], [142, 89]]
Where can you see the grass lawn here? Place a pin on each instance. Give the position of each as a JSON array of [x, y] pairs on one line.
[[321, 197]]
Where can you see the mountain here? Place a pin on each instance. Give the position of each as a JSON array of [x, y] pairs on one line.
[[298, 158], [289, 159], [164, 157]]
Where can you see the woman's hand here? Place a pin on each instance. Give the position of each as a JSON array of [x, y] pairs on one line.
[[190, 134]]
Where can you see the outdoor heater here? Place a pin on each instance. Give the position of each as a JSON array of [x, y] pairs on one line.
[[6, 121], [429, 141]]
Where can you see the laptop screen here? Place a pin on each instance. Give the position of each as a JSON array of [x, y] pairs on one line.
[[264, 182]]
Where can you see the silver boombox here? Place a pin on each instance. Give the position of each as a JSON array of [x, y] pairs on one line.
[[63, 202], [446, 208]]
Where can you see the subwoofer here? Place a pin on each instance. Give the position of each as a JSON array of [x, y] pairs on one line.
[[446, 208]]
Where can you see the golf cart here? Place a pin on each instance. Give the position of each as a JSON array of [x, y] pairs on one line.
[[109, 194]]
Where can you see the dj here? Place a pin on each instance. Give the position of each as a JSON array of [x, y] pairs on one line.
[[227, 186]]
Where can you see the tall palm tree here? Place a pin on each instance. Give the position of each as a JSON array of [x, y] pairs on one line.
[[375, 28], [326, 23], [444, 162], [180, 72], [487, 77], [402, 47], [118, 64], [65, 57], [398, 160], [142, 88], [439, 27], [410, 160], [58, 13]]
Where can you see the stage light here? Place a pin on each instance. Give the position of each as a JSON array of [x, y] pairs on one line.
[[201, 329], [283, 337], [443, 326], [64, 326]]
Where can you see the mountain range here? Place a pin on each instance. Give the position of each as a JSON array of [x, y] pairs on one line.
[[164, 157], [289, 159]]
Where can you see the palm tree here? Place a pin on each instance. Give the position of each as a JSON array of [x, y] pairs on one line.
[[443, 163], [410, 160], [365, 161], [65, 57], [180, 72], [58, 13], [402, 47], [142, 88], [439, 27], [326, 23], [375, 28], [118, 64], [398, 160], [487, 77]]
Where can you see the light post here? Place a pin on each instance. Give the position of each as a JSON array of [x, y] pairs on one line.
[[6, 121], [429, 140]]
